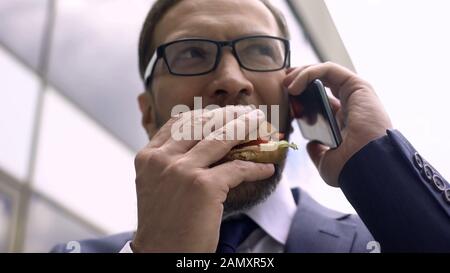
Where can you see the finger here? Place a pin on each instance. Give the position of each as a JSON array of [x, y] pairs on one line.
[[195, 125], [163, 133], [335, 104], [292, 73], [166, 131], [332, 75], [235, 172], [218, 113], [289, 70], [337, 112], [216, 145]]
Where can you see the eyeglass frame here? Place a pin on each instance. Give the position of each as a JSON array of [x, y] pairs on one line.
[[160, 53]]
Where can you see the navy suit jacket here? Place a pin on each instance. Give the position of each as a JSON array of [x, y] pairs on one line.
[[400, 199]]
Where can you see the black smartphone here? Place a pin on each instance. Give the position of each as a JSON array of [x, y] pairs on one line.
[[313, 113]]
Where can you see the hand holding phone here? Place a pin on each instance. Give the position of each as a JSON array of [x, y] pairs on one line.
[[359, 110], [315, 118]]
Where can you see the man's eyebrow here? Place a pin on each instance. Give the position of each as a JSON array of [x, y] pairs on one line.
[[258, 33], [196, 36]]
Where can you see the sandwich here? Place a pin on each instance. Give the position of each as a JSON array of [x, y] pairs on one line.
[[268, 147]]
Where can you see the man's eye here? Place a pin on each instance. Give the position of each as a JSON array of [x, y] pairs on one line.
[[192, 53], [260, 50], [265, 50]]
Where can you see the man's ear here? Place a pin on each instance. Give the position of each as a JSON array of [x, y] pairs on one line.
[[147, 107]]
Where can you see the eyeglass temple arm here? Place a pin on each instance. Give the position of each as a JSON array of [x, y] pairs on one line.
[[150, 67]]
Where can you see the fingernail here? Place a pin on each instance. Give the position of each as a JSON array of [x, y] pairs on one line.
[[257, 114], [246, 108], [260, 113], [208, 114], [253, 114]]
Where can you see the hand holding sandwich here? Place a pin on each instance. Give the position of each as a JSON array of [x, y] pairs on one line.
[[181, 189]]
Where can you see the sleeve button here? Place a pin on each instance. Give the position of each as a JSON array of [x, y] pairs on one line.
[[418, 161], [438, 182], [447, 195], [428, 172]]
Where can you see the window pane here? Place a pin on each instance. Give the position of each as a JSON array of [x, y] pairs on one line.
[[6, 220], [302, 52], [94, 62], [18, 96], [84, 168], [22, 26], [48, 226]]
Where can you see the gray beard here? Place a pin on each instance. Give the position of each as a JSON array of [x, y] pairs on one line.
[[250, 194]]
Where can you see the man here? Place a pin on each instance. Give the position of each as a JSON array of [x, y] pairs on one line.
[[187, 200]]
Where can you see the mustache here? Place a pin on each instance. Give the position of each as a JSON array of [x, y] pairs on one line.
[[223, 101]]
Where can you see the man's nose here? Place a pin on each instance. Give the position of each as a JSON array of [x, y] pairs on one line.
[[229, 82]]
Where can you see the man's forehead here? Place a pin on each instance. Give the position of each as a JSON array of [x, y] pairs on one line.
[[216, 19]]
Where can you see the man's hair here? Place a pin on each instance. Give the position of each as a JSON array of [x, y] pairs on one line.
[[157, 12]]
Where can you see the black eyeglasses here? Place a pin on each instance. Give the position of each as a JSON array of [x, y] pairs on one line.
[[193, 57]]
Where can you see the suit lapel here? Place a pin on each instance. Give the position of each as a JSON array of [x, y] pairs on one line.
[[318, 229]]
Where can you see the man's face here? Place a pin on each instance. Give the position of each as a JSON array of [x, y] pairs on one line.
[[229, 84]]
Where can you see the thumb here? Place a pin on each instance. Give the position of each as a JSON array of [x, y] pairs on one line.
[[327, 162], [316, 151]]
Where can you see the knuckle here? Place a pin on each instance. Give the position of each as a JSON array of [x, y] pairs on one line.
[[229, 109], [140, 157], [260, 113], [222, 144], [242, 166], [330, 64], [174, 118], [149, 157], [241, 121], [264, 168], [366, 84], [201, 181], [177, 167], [217, 137], [146, 163], [354, 82], [155, 156]]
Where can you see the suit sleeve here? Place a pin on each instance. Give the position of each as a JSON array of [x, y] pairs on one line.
[[58, 248], [401, 198]]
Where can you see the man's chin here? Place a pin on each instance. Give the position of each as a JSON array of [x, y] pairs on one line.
[[249, 194]]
